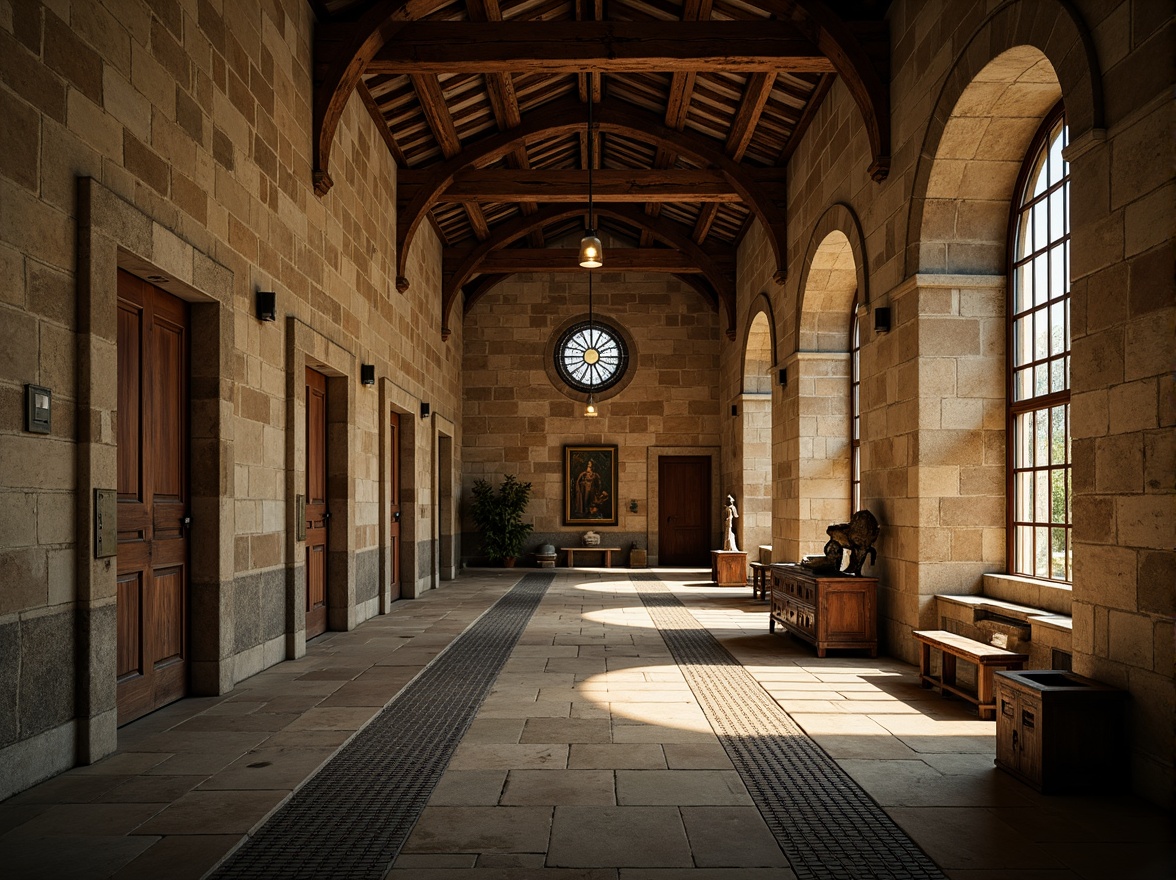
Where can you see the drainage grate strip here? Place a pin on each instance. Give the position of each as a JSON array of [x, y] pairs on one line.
[[351, 819], [827, 826]]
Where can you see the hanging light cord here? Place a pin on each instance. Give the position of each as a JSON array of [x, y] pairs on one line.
[[591, 217]]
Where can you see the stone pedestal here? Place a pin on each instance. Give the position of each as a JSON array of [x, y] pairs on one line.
[[729, 568]]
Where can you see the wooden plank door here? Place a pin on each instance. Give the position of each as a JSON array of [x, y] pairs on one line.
[[394, 495], [152, 591], [317, 514], [684, 510]]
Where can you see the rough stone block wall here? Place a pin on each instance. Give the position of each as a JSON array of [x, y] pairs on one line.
[[1123, 405], [756, 511], [932, 389], [198, 117], [517, 421]]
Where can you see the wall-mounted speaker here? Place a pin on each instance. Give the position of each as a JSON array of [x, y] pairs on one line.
[[882, 319]]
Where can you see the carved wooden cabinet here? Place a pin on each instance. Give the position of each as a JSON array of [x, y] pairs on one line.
[[827, 611], [1059, 732]]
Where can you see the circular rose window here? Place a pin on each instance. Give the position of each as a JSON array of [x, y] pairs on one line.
[[592, 357]]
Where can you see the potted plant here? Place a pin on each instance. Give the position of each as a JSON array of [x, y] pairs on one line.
[[499, 517]]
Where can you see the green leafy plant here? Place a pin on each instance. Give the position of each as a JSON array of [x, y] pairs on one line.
[[499, 517]]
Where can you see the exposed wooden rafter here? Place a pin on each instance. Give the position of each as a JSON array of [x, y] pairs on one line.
[[440, 120], [506, 260], [463, 263], [678, 102], [609, 185], [807, 32], [483, 113], [504, 103], [570, 47], [563, 117]]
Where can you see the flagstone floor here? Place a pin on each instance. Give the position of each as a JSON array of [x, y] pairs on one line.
[[590, 759]]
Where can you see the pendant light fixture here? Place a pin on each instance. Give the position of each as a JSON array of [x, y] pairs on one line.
[[591, 251], [591, 355]]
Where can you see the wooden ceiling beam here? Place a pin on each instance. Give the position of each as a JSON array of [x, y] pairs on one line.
[[682, 82], [751, 107], [565, 116], [706, 219], [507, 260], [857, 52], [377, 116], [436, 112], [608, 185], [462, 265], [593, 47], [440, 120]]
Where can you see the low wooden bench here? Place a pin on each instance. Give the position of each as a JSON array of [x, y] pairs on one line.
[[607, 551], [759, 579], [952, 647]]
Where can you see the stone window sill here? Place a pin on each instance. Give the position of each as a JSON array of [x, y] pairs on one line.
[[1051, 596]]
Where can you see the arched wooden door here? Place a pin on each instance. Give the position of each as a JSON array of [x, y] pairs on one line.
[[153, 499]]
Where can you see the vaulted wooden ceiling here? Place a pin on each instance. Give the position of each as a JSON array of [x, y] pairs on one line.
[[697, 107]]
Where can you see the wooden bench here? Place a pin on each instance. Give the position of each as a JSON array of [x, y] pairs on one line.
[[759, 580], [607, 551], [952, 647]]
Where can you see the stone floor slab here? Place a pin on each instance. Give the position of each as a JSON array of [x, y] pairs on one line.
[[618, 837], [567, 730], [480, 829], [470, 788], [617, 756], [681, 787], [730, 837], [214, 812], [559, 788]]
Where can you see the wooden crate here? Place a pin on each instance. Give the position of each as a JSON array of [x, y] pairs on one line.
[[1060, 732]]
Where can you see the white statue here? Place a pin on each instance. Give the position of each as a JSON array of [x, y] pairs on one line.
[[730, 514]]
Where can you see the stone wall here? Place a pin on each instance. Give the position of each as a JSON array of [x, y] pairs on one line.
[[174, 140], [970, 82], [516, 420]]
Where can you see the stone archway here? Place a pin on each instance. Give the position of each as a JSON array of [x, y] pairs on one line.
[[756, 426], [999, 78], [818, 391]]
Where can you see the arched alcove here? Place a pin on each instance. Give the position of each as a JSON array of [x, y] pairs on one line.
[[819, 383], [965, 211], [756, 424]]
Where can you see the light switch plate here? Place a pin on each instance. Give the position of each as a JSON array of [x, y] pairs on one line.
[[38, 409]]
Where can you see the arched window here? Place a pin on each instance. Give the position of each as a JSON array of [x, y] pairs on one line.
[[855, 410], [1040, 540]]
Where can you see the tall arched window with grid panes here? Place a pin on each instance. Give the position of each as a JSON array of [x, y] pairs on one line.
[[855, 410], [1040, 486]]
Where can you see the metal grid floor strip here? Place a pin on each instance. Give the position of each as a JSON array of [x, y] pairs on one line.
[[351, 819], [827, 826]]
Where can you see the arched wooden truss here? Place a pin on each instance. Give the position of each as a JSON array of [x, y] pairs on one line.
[[781, 55], [718, 272]]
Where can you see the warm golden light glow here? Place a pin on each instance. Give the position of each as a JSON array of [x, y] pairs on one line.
[[591, 251]]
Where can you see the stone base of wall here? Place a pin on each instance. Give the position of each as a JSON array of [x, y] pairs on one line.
[[24, 764]]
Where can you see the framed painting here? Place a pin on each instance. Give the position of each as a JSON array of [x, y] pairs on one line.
[[590, 485]]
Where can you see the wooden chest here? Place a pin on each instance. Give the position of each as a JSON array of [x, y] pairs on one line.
[[1060, 732], [827, 611]]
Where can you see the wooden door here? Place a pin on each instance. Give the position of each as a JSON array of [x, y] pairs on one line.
[[684, 510], [152, 431], [394, 495], [317, 514]]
